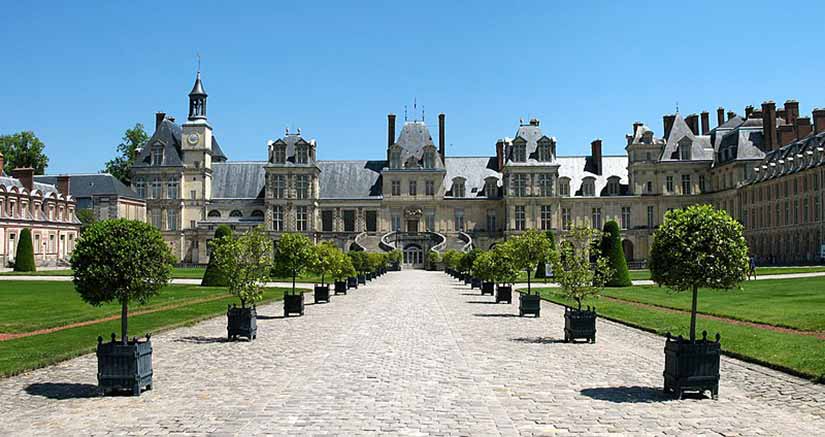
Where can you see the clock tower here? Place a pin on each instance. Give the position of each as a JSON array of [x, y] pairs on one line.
[[196, 147]]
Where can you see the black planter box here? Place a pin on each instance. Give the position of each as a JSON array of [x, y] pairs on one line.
[[467, 279], [579, 324], [322, 293], [692, 367], [475, 283], [504, 293], [529, 304], [124, 366], [352, 282], [459, 276], [340, 287], [487, 288], [294, 304], [362, 279], [241, 322]]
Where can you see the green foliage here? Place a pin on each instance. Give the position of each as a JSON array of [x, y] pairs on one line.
[[576, 276], [484, 266], [213, 276], [325, 259], [121, 260], [540, 269], [360, 260], [121, 166], [375, 261], [294, 253], [451, 259], [505, 269], [245, 262], [23, 149], [465, 263], [529, 249], [395, 256], [342, 267], [611, 248], [433, 258], [24, 259], [85, 215]]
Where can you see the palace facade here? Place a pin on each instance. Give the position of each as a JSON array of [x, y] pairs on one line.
[[763, 167]]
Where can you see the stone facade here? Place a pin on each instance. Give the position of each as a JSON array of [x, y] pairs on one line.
[[104, 195]]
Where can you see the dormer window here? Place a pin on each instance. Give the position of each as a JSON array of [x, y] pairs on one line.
[[157, 155], [458, 187], [544, 150], [395, 158], [684, 149], [491, 187], [613, 187], [647, 137], [429, 159], [589, 187], [301, 154], [520, 152], [564, 187], [280, 154]]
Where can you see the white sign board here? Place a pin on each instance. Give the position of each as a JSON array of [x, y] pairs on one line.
[[548, 269]]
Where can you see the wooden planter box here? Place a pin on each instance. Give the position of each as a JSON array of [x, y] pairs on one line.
[[322, 293], [468, 279], [504, 293], [529, 304], [692, 367], [352, 282], [579, 324], [487, 288], [124, 366], [340, 287], [362, 279], [475, 283], [241, 322], [294, 304]]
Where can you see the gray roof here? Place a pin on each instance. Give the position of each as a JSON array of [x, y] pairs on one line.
[[531, 134], [576, 168], [474, 169], [413, 139], [786, 160], [350, 179], [168, 135], [291, 141], [87, 185], [197, 89], [238, 180], [700, 145], [45, 188]]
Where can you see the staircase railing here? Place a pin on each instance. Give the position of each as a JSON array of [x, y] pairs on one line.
[[466, 237], [358, 237], [438, 247], [387, 244]]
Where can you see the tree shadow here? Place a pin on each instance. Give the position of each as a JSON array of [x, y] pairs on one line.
[[623, 395], [262, 317], [496, 315], [471, 294], [62, 391], [538, 340], [199, 339], [484, 302]]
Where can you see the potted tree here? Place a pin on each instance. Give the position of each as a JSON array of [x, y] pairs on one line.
[[294, 254], [529, 249], [578, 278], [611, 248], [505, 272], [374, 262], [485, 267], [341, 270], [360, 261], [433, 258], [323, 263], [245, 263], [450, 260], [213, 276], [395, 259], [696, 247], [124, 261]]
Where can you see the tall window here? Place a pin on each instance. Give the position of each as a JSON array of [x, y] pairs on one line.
[[519, 185], [156, 188], [429, 159], [520, 218], [413, 188], [588, 187], [172, 219], [396, 222], [458, 188], [491, 220], [140, 188], [301, 154], [649, 187], [546, 217], [596, 217], [277, 218], [459, 220], [686, 184], [349, 220], [396, 188], [566, 224], [302, 186], [172, 189], [613, 188], [326, 220], [280, 154], [544, 152], [429, 222], [395, 159], [301, 221], [154, 215], [278, 186], [564, 187], [684, 151], [157, 155], [650, 217], [429, 187], [805, 211], [669, 184], [625, 217], [545, 185], [701, 183], [520, 153], [372, 221]]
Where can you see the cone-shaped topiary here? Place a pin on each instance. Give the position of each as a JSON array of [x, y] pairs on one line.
[[213, 276], [611, 248], [24, 260]]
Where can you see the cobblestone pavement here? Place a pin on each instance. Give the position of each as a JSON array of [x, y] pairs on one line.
[[413, 353]]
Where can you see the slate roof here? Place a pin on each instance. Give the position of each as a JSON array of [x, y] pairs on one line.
[[787, 159], [168, 134], [701, 148], [474, 169], [238, 179], [531, 133], [88, 185], [45, 188], [575, 168], [291, 140], [350, 179]]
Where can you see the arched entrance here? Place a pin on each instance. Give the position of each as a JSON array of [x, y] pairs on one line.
[[627, 247], [413, 255]]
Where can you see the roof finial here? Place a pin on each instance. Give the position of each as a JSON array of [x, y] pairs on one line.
[[422, 113], [198, 54], [677, 107], [415, 107], [405, 112]]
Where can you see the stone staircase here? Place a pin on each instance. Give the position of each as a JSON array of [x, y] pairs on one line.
[[370, 242]]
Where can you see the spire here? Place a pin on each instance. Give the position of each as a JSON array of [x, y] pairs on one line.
[[197, 90], [197, 100]]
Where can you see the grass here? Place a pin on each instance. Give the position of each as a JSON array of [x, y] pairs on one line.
[[36, 351], [177, 273], [638, 275]]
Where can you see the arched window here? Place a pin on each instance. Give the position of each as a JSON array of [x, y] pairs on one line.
[[257, 213], [214, 213], [235, 213]]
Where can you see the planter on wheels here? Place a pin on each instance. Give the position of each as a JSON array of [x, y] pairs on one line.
[[340, 287], [352, 282], [529, 304], [322, 293], [692, 366], [504, 293], [579, 324], [124, 366], [293, 304], [241, 322], [475, 283], [487, 288]]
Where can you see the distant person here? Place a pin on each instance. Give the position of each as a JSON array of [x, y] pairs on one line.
[[752, 267]]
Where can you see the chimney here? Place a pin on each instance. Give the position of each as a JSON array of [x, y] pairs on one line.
[[159, 116], [2, 161], [768, 126], [636, 127], [792, 111], [441, 145], [596, 155], [692, 121], [720, 116], [780, 113], [756, 113], [731, 114], [63, 184], [748, 111], [390, 129], [803, 127], [668, 124], [785, 134], [25, 175], [705, 122], [500, 154], [819, 123]]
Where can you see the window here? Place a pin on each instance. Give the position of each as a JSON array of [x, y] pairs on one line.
[[140, 188], [805, 211], [429, 222], [372, 221], [396, 222], [684, 151], [588, 187], [280, 154], [816, 208], [458, 187], [235, 213], [301, 219], [156, 188], [349, 220], [625, 219], [669, 184], [520, 153], [796, 211], [429, 187], [520, 185], [301, 154], [649, 187], [413, 188], [650, 217], [545, 185], [546, 217], [491, 220], [686, 184], [257, 214], [459, 220], [647, 156], [787, 213], [395, 159], [613, 188], [171, 220], [596, 218], [396, 188], [544, 152], [429, 159], [278, 186], [564, 187], [519, 218], [193, 194], [326, 220], [701, 183], [302, 186], [155, 218], [278, 218], [214, 213], [172, 189], [157, 155], [566, 223]]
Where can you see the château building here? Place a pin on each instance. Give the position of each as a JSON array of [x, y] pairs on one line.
[[759, 167]]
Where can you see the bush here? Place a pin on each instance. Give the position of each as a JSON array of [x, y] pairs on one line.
[[611, 248], [294, 253], [360, 260], [24, 259], [433, 258], [246, 262], [465, 263], [342, 266], [324, 262], [451, 259], [214, 276]]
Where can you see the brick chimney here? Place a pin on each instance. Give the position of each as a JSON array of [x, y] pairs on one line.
[[63, 184], [390, 129], [792, 111], [705, 116], [159, 116], [692, 121], [500, 154], [441, 145], [768, 126], [596, 155], [780, 113], [803, 127], [819, 121], [731, 114], [25, 175], [667, 121], [748, 111], [720, 116], [785, 134]]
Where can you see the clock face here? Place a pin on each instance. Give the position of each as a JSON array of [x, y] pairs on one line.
[[193, 138]]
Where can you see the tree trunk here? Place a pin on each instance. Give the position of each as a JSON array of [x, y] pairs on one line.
[[293, 282], [579, 301], [693, 314], [124, 321], [528, 282]]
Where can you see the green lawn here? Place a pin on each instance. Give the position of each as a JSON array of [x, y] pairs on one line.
[[637, 275], [804, 355], [177, 273], [40, 350]]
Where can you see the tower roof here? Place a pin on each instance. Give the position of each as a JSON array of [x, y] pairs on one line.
[[197, 90]]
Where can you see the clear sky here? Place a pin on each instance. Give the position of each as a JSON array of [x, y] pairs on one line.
[[79, 74]]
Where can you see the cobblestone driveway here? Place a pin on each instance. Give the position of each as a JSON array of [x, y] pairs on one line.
[[413, 353]]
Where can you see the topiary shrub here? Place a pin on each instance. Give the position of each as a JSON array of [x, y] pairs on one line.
[[213, 276], [611, 248], [24, 260]]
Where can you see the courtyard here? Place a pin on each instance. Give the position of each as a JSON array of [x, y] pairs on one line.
[[412, 353]]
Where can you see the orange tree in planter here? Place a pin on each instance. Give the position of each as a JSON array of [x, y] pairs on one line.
[[245, 263]]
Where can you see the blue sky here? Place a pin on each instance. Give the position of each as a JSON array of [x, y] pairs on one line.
[[79, 74]]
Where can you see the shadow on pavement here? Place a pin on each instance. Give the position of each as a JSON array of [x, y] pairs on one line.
[[60, 391], [621, 395], [487, 302], [496, 315], [198, 339], [537, 340], [260, 317]]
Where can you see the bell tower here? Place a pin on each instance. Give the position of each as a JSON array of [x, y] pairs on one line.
[[197, 133]]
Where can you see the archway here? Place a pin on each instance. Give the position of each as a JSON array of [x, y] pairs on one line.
[[627, 247], [413, 255]]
